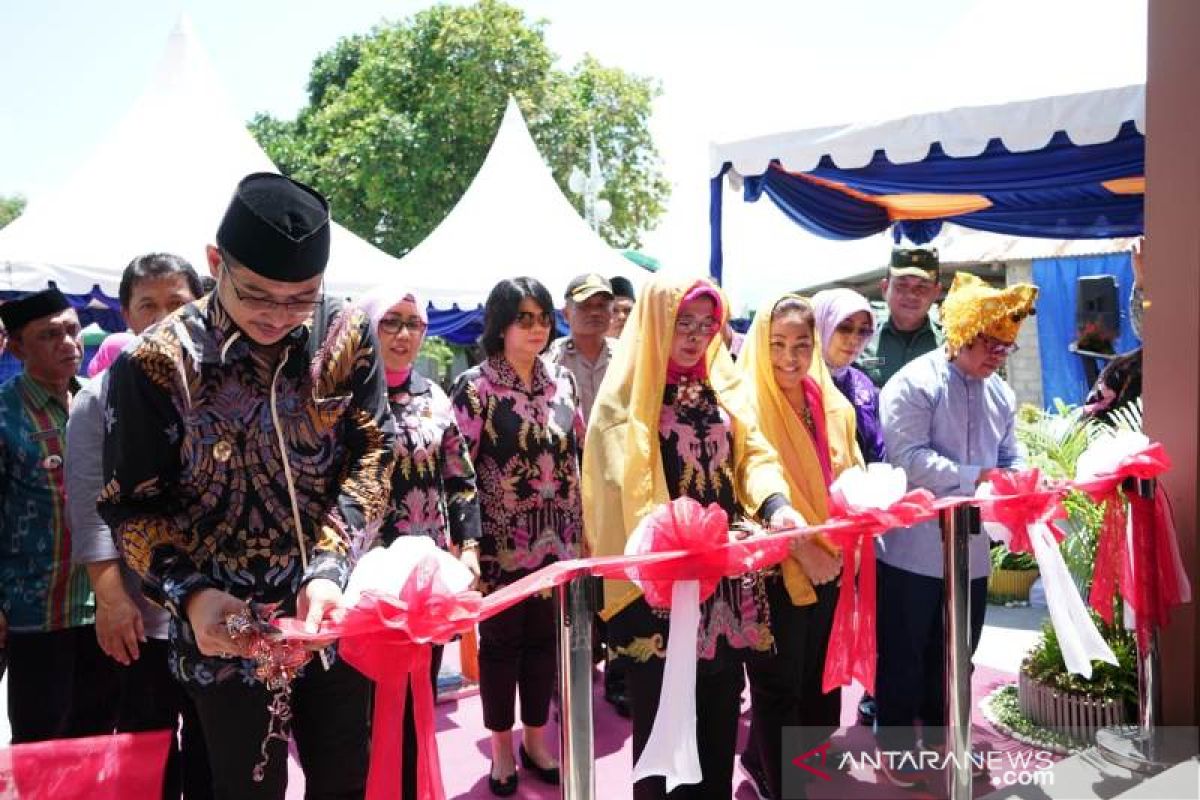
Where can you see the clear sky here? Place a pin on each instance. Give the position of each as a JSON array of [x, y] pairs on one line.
[[729, 69]]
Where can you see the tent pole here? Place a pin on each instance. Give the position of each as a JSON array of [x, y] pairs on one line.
[[715, 200]]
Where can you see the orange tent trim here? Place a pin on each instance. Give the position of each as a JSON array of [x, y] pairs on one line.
[[907, 206]]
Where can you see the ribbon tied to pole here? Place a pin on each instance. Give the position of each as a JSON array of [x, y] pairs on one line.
[[1019, 510], [864, 504]]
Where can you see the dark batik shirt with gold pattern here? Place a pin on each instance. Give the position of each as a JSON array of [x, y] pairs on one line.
[[695, 436], [215, 447]]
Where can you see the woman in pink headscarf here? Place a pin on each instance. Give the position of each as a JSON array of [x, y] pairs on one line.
[[433, 485], [845, 324]]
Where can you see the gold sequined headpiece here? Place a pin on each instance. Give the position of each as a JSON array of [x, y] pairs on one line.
[[972, 307]]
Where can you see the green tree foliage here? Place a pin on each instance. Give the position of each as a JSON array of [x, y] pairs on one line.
[[11, 207], [399, 121]]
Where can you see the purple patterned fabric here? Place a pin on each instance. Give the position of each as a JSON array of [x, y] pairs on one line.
[[864, 396]]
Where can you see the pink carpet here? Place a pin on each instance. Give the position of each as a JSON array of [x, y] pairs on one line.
[[463, 745]]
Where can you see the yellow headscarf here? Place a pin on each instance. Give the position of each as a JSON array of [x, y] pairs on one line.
[[787, 434], [623, 478], [972, 307]]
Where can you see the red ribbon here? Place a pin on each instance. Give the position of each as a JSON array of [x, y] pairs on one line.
[[1020, 501], [1154, 580], [682, 524], [1111, 568], [851, 653], [703, 532], [111, 767], [1156, 587], [386, 637]]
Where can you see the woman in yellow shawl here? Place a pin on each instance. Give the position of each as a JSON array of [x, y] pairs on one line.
[[811, 426], [673, 419]]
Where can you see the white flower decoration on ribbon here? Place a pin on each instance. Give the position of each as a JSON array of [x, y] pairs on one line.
[[878, 486]]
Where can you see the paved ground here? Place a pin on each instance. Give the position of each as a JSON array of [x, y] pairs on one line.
[[1008, 634]]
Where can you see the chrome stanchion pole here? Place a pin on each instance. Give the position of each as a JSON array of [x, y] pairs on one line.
[[957, 525], [1149, 665], [1137, 747], [576, 605]]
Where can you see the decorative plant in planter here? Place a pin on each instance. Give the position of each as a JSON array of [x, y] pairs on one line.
[[1069, 705], [1051, 706]]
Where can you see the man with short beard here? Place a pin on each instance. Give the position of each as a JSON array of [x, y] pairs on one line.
[[623, 299]]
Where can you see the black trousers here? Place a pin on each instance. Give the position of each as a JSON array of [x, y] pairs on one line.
[[785, 685], [911, 672], [152, 700], [330, 722], [409, 755], [517, 648], [60, 685], [718, 704]]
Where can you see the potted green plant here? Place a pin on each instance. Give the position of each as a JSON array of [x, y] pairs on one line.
[[1011, 576], [1050, 706]]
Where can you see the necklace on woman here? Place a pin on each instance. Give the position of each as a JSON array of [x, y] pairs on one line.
[[806, 416]]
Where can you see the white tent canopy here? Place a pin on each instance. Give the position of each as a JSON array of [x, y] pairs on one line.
[[1087, 118], [512, 220], [160, 182]]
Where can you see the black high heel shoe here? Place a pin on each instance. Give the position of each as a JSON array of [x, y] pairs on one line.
[[548, 775], [503, 788]]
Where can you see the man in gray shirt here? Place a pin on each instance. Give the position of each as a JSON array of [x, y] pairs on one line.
[[131, 629], [586, 353], [949, 421]]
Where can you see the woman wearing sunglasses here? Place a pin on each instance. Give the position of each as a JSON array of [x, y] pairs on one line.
[[520, 416], [433, 484], [845, 325]]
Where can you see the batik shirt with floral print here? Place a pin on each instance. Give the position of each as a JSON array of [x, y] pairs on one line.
[[197, 488], [433, 484], [695, 436], [525, 442]]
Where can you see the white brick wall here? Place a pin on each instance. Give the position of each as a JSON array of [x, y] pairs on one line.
[[1024, 369]]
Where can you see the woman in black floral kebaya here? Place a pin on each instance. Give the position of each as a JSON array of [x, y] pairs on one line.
[[433, 484], [520, 416]]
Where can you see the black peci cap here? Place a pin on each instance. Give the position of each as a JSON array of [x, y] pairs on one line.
[[16, 314], [277, 228]]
